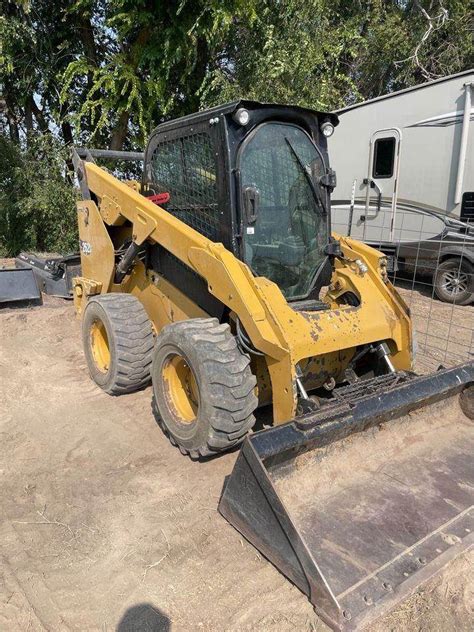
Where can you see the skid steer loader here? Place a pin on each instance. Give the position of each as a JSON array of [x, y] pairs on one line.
[[217, 278]]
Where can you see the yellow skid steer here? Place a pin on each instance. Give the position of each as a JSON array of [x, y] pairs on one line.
[[218, 279]]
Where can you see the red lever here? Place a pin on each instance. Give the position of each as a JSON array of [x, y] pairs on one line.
[[159, 198]]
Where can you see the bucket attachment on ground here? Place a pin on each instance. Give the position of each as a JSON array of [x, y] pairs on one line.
[[365, 500], [18, 285], [53, 274]]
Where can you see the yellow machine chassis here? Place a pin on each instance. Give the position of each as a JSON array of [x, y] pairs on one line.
[[323, 342]]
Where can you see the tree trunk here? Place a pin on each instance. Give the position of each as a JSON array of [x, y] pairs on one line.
[[39, 115], [11, 118], [132, 59], [28, 117], [120, 132], [66, 130], [87, 38]]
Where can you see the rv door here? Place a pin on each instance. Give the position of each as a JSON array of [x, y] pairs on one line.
[[381, 183]]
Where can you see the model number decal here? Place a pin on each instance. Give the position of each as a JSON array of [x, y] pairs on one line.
[[85, 247]]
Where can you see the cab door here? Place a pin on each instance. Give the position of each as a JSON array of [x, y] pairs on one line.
[[381, 186]]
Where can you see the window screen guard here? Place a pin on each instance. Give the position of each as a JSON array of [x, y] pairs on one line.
[[185, 168]]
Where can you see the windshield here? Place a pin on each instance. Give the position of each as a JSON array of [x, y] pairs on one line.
[[286, 229]]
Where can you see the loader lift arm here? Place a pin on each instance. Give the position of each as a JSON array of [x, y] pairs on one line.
[[229, 280]]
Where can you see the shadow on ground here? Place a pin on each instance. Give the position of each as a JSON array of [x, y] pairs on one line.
[[144, 618]]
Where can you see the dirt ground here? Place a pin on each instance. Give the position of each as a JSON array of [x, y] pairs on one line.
[[105, 526]]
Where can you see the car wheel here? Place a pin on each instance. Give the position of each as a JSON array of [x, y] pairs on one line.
[[454, 281]]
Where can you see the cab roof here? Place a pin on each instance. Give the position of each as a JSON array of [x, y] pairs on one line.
[[274, 109]]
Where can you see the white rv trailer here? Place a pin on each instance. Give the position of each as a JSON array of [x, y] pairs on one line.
[[405, 179]]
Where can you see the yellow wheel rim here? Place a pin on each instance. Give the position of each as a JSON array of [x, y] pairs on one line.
[[100, 346], [180, 388]]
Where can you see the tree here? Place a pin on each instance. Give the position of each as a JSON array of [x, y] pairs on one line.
[[38, 42], [327, 54], [105, 72], [157, 58], [37, 204]]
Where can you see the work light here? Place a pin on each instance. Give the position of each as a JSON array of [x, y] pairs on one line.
[[242, 116], [327, 129]]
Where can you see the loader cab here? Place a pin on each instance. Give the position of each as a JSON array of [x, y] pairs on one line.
[[254, 177]]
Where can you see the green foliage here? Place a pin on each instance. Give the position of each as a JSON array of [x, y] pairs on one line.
[[156, 57], [108, 71], [298, 54], [326, 54], [105, 72], [37, 203]]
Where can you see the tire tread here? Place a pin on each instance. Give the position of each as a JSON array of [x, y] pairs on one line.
[[230, 380], [133, 342]]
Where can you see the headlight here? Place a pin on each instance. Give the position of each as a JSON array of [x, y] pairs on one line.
[[242, 116], [327, 129]]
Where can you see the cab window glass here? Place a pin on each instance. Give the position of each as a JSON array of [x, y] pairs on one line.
[[285, 240]]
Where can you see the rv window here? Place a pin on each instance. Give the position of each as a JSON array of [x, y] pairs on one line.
[[467, 206], [384, 157]]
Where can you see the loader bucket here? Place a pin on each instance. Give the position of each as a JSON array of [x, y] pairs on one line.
[[18, 285], [363, 501]]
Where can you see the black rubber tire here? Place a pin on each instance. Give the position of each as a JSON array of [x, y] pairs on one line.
[[130, 341], [466, 400], [455, 265], [224, 381]]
